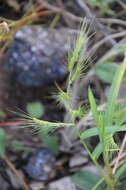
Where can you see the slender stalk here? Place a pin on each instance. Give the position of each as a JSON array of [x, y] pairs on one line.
[[97, 184], [13, 169], [119, 155]]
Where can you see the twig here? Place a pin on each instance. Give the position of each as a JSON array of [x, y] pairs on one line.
[[3, 49], [122, 156], [119, 154], [61, 11], [106, 39], [93, 19], [112, 52], [121, 3], [112, 21], [12, 123], [75, 18], [13, 169], [43, 13]]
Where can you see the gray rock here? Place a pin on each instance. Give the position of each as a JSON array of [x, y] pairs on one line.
[[37, 55], [40, 165]]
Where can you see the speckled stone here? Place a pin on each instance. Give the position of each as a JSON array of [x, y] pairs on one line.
[[40, 164], [37, 56]]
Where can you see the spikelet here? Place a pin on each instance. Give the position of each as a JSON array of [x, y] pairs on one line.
[[37, 125]]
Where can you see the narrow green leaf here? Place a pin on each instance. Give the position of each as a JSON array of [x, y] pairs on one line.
[[106, 71], [121, 171], [123, 185], [93, 105], [2, 142], [89, 133], [94, 131], [121, 49], [97, 151], [114, 93]]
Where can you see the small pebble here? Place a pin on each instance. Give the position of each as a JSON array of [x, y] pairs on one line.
[[78, 160], [62, 184], [37, 186]]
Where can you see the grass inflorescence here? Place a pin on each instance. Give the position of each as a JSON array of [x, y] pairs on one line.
[[106, 122]]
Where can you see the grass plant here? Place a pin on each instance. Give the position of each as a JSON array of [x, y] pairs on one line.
[[105, 122]]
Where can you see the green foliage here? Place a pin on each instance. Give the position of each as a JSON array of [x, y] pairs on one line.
[[107, 122], [121, 170], [41, 126], [114, 93], [62, 98], [93, 105], [18, 146], [106, 71], [2, 114], [123, 185], [46, 126], [87, 180], [35, 109], [74, 55], [103, 5], [78, 113], [94, 131], [2, 141], [77, 62], [104, 128], [52, 142]]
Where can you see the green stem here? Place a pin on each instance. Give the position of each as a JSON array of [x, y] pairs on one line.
[[98, 183], [109, 178]]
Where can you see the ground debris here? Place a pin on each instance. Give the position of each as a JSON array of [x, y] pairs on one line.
[[62, 184], [77, 160], [37, 186]]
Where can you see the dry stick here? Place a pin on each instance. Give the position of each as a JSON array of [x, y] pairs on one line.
[[13, 169], [121, 3], [22, 23], [77, 18], [122, 156], [3, 49], [112, 52], [61, 5], [119, 154], [106, 39], [112, 21], [93, 18], [63, 12], [12, 123], [43, 13]]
